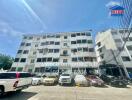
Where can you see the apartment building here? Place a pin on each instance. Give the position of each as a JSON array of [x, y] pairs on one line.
[[109, 45], [69, 51]]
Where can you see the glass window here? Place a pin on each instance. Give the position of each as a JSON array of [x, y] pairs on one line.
[[39, 59], [56, 50], [85, 49], [90, 41], [43, 43], [74, 50], [25, 51], [84, 41], [65, 52], [49, 59], [19, 51], [50, 50], [74, 59], [80, 58], [125, 58], [83, 34], [65, 60], [91, 49], [79, 49], [78, 34], [30, 38], [36, 45], [57, 36], [44, 59], [55, 59], [78, 41], [23, 43], [65, 44], [28, 44], [65, 37], [19, 69], [73, 35], [88, 34], [13, 69], [73, 42], [44, 37], [51, 42], [16, 60], [23, 60], [57, 43], [129, 47], [24, 37], [40, 50], [32, 61], [34, 52]]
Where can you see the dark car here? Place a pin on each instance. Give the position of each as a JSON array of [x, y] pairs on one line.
[[95, 80], [107, 78]]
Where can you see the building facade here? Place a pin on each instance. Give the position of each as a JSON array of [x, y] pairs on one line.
[[71, 51], [109, 45]]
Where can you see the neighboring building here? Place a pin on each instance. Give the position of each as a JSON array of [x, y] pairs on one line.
[[110, 43], [72, 51]]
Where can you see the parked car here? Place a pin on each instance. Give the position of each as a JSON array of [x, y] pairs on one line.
[[119, 82], [37, 80], [107, 78], [50, 80], [95, 80], [80, 80], [14, 81], [65, 79]]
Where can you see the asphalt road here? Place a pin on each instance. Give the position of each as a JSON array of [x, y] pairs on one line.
[[71, 93]]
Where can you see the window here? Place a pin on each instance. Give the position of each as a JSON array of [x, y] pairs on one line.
[[24, 37], [51, 42], [32, 61], [57, 43], [57, 36], [49, 59], [78, 41], [25, 51], [85, 49], [74, 59], [80, 58], [50, 50], [65, 37], [28, 44], [79, 49], [16, 60], [74, 50], [90, 41], [36, 45], [65, 52], [37, 69], [91, 49], [39, 59], [73, 35], [86, 59], [55, 59], [84, 41], [56, 50], [125, 58], [83, 34], [44, 37], [43, 43], [23, 60], [78, 34], [129, 47], [38, 38], [23, 43], [73, 42], [13, 69], [19, 69], [43, 59], [65, 44], [19, 51], [88, 34], [30, 38], [64, 60], [40, 50]]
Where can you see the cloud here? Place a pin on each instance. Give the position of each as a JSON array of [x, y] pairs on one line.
[[113, 3], [7, 30]]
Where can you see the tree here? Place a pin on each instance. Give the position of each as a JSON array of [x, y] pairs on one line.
[[5, 61]]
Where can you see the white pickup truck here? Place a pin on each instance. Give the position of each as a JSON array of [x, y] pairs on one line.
[[14, 81]]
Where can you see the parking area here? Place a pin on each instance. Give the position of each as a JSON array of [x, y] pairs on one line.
[[71, 93]]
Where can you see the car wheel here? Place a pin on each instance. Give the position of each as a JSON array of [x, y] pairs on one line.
[[1, 91]]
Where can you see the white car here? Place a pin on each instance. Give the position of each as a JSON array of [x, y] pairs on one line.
[[37, 80], [14, 81], [65, 79], [80, 80]]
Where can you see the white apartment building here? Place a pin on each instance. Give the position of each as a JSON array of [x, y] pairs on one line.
[[69, 51], [109, 44]]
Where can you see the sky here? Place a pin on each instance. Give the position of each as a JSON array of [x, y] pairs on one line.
[[18, 17]]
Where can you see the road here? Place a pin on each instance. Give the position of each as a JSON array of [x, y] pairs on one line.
[[71, 93]]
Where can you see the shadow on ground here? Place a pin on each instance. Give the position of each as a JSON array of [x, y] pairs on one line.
[[18, 96]]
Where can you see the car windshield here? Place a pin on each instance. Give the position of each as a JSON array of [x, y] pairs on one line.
[[51, 76], [65, 75]]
